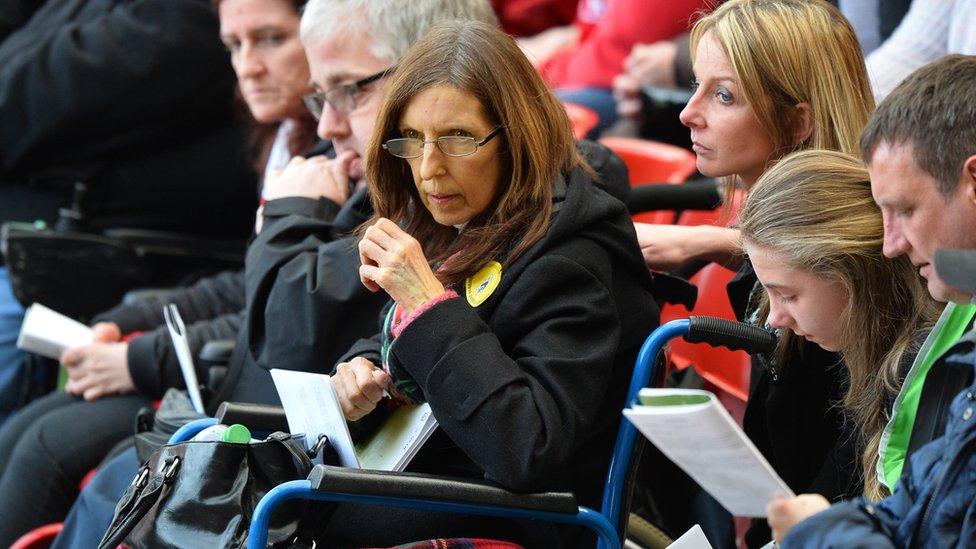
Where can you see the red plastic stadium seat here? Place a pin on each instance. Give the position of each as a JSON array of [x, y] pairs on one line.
[[650, 162], [38, 538], [725, 370], [582, 119]]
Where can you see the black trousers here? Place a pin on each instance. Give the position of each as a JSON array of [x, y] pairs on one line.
[[48, 447]]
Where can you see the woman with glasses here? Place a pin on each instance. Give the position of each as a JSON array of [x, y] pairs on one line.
[[519, 296]]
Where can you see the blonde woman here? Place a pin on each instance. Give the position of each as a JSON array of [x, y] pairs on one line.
[[814, 236], [774, 77], [771, 77]]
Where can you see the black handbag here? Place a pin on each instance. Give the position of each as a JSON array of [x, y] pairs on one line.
[[155, 427], [202, 494]]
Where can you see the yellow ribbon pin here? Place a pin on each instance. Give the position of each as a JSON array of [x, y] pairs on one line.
[[479, 287]]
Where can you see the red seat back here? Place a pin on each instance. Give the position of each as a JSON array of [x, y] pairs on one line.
[[581, 119], [726, 370], [650, 162], [38, 538]]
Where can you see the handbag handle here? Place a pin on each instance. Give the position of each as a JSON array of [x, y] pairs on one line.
[[137, 500], [147, 489], [301, 458]]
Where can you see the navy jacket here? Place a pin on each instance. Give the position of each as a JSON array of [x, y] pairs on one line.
[[934, 504]]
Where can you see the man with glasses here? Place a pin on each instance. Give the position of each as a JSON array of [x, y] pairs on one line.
[[305, 303], [295, 264]]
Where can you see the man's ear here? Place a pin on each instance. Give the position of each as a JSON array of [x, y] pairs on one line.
[[802, 123], [969, 178]]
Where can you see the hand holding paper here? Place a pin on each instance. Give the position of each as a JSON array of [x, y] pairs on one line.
[[49, 333], [98, 370], [359, 386], [312, 407]]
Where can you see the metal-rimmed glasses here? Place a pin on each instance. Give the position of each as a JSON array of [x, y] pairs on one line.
[[451, 145], [341, 98]]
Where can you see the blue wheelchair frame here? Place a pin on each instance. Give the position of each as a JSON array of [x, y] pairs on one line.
[[603, 523]]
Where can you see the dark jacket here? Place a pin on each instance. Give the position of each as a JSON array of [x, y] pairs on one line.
[[132, 98], [528, 386], [211, 310], [934, 503], [305, 303], [793, 416]]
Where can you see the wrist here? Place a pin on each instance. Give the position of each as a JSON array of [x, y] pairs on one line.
[[410, 316]]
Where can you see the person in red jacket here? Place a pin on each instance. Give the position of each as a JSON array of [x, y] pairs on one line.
[[530, 17], [608, 31]]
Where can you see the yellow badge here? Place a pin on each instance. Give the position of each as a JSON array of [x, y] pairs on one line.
[[480, 286]]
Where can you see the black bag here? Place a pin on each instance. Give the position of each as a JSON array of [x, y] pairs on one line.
[[155, 427], [202, 494]]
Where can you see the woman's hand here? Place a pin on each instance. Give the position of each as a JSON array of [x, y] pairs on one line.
[[652, 64], [667, 247], [783, 514], [647, 65], [394, 261], [359, 385]]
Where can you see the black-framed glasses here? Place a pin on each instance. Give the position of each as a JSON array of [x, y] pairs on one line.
[[341, 98], [451, 145]]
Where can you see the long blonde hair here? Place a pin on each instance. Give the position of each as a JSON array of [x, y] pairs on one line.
[[786, 52], [815, 209]]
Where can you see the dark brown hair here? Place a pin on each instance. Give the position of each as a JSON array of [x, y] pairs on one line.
[[932, 111], [261, 136], [479, 59]]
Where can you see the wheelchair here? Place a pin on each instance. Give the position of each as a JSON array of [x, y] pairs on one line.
[[338, 484]]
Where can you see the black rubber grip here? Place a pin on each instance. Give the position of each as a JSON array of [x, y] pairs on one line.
[[412, 485], [693, 195], [256, 417], [737, 336]]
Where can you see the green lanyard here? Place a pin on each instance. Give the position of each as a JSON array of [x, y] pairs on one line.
[[951, 326]]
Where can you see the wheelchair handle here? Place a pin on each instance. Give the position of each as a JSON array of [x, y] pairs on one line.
[[736, 336]]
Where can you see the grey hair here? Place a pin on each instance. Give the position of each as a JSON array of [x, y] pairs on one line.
[[392, 25]]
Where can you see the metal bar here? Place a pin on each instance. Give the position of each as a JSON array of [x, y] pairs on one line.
[[190, 430], [626, 433], [302, 489]]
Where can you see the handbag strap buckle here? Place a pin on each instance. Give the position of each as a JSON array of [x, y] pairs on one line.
[[317, 447], [141, 477], [170, 469]]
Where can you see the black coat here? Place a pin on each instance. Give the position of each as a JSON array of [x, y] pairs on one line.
[[528, 386], [211, 309], [305, 303], [132, 98]]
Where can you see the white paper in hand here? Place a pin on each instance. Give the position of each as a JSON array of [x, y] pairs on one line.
[[48, 333], [312, 407], [694, 538], [177, 331], [694, 431]]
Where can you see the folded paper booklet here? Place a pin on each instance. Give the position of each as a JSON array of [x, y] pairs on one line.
[[47, 333], [692, 539], [312, 407], [694, 431]]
